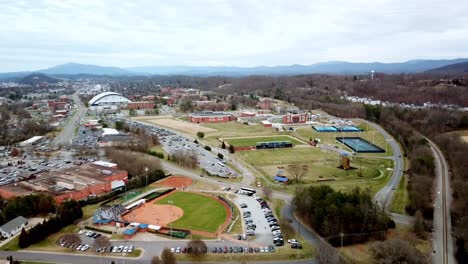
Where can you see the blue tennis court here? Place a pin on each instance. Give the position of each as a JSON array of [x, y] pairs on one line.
[[325, 128], [359, 145]]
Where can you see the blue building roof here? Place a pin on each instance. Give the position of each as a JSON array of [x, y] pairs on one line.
[[143, 225], [129, 231]]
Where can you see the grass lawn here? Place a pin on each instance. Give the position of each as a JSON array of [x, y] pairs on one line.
[[236, 129], [12, 245], [281, 156], [200, 212], [50, 242], [400, 197], [160, 149], [252, 141]]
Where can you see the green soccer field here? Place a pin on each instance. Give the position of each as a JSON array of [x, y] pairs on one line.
[[252, 141], [200, 212]]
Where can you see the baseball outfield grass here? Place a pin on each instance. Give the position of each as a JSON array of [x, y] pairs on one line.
[[200, 212]]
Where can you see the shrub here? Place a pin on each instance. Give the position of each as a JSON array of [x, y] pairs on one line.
[[200, 134]]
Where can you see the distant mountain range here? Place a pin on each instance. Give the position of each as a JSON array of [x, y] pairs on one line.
[[457, 68], [333, 67]]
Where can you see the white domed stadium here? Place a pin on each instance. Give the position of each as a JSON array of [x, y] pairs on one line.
[[108, 98]]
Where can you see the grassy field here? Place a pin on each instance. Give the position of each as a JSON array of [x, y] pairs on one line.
[[400, 197], [367, 172], [281, 156], [200, 212], [252, 141]]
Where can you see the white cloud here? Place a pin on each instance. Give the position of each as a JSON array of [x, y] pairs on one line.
[[39, 34]]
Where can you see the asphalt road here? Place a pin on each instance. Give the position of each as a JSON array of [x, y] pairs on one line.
[[384, 195], [442, 242], [83, 259], [65, 136]]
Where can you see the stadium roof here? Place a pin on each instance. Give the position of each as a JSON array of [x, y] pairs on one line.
[[100, 96]]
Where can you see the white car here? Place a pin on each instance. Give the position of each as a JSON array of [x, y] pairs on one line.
[[178, 250], [262, 250], [275, 232], [172, 250], [125, 249], [81, 232], [292, 241]]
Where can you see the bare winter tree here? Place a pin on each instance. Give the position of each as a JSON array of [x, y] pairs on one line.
[[326, 254], [297, 172], [167, 257], [156, 260], [101, 241], [74, 239], [396, 250], [198, 248]]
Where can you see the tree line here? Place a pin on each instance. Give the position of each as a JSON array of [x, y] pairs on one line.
[[67, 213], [455, 150], [332, 212], [26, 206]]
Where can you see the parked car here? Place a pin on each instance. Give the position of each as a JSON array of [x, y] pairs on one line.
[[296, 245]]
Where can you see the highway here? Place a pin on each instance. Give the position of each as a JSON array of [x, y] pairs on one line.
[[442, 242], [68, 131]]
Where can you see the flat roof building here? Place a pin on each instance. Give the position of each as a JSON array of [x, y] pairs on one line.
[[76, 182], [210, 117]]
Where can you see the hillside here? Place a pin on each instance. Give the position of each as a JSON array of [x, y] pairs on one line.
[[37, 78], [76, 68], [457, 68]]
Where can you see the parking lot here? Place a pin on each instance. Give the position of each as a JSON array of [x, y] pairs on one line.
[[88, 239], [86, 137], [263, 232], [20, 168], [173, 142]]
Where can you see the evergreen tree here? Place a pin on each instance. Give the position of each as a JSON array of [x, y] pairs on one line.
[[23, 239]]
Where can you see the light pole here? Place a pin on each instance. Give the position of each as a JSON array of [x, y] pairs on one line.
[[146, 173]]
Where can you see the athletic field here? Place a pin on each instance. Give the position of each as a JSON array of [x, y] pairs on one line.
[[200, 212]]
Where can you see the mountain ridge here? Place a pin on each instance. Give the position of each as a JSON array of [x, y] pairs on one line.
[[330, 67]]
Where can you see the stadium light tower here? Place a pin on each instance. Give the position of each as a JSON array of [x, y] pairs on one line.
[[146, 173]]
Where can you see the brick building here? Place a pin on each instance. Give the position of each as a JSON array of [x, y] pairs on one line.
[[76, 182], [295, 118], [141, 105], [265, 104], [211, 117]]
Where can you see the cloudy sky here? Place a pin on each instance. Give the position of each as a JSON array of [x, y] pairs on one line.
[[38, 34]]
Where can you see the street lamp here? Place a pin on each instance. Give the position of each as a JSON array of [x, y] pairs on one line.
[[146, 173]]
